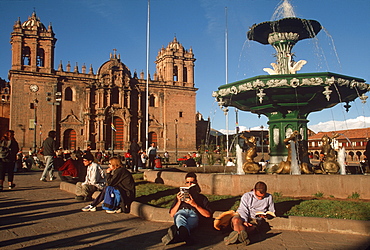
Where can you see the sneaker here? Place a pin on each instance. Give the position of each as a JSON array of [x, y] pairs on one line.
[[43, 179], [243, 237], [117, 211], [89, 208], [170, 236], [232, 238], [12, 186], [52, 178]]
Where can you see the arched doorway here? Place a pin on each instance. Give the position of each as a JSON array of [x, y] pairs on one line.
[[153, 138], [115, 131], [119, 136], [69, 139]]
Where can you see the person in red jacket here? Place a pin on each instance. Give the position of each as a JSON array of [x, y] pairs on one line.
[[68, 171]]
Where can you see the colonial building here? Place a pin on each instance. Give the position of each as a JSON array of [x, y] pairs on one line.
[[353, 140], [106, 109]]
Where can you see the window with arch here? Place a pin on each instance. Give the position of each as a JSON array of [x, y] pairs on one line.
[[152, 100], [114, 95], [68, 94], [26, 56], [185, 74], [175, 73], [40, 59]]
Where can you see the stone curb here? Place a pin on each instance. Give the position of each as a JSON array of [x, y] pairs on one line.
[[293, 223]]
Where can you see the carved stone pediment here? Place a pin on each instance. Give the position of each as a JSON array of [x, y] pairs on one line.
[[71, 119]]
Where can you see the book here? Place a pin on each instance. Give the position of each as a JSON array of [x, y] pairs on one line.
[[185, 191], [267, 214]]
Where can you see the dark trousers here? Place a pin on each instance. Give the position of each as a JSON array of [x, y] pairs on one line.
[[134, 165], [151, 161], [99, 199], [7, 167]]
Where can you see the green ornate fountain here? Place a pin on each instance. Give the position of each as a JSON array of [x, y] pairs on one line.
[[284, 96]]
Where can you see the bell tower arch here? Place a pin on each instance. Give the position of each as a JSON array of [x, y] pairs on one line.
[[175, 65], [32, 46]]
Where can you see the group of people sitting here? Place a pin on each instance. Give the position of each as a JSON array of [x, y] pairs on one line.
[[189, 208], [117, 191], [116, 186]]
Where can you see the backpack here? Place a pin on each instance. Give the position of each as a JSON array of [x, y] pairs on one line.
[[4, 150], [112, 198]]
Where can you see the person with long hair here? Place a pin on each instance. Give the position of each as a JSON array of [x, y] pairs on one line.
[[119, 178]]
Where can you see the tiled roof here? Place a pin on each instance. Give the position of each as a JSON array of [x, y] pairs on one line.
[[360, 133]]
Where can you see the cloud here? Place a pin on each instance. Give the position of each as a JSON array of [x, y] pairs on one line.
[[358, 122]]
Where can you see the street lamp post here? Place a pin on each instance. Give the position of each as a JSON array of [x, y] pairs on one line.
[[262, 141], [176, 136], [112, 126], [35, 101]]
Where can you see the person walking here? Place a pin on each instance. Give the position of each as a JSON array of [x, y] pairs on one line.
[[152, 153], [7, 163], [134, 151], [49, 148]]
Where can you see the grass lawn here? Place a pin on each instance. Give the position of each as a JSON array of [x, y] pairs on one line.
[[316, 206]]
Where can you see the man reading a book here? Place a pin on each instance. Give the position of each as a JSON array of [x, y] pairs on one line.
[[254, 207], [187, 209]]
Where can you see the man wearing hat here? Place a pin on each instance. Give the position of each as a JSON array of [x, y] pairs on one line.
[[94, 180]]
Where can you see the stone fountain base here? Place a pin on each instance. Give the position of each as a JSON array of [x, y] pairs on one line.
[[339, 186]]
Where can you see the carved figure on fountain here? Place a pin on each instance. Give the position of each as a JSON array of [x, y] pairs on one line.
[[330, 164], [285, 166], [250, 166]]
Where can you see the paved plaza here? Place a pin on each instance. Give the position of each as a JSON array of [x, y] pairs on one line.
[[38, 215]]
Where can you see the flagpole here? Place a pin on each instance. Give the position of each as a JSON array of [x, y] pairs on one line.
[[226, 82], [147, 80]]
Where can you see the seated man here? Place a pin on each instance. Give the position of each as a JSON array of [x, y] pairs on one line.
[[94, 180], [187, 212], [246, 220], [189, 162], [120, 179]]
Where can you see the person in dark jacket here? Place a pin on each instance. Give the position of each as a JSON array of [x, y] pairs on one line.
[[134, 151], [68, 171], [121, 179], [8, 163], [49, 147]]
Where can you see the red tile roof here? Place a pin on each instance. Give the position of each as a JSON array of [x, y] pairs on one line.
[[360, 133]]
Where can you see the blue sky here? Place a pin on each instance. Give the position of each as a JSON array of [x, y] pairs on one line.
[[89, 30]]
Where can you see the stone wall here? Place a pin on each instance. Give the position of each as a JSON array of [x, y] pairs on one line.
[[339, 186]]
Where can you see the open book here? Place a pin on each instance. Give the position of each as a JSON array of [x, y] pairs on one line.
[[268, 214], [185, 191]]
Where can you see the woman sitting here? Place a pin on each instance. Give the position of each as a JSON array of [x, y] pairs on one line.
[[68, 171], [118, 178]]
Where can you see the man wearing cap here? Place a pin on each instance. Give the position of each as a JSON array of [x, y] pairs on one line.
[[94, 180]]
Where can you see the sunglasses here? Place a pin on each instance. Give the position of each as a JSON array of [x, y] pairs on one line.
[[192, 182]]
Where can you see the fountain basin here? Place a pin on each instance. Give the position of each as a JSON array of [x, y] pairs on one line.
[[340, 186]]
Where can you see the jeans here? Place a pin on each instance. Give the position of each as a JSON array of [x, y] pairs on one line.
[[49, 167], [187, 218]]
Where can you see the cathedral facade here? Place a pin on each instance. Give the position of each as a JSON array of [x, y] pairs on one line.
[[105, 110]]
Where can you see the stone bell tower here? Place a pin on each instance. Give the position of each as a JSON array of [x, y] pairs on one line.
[[32, 46], [175, 65], [33, 81]]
